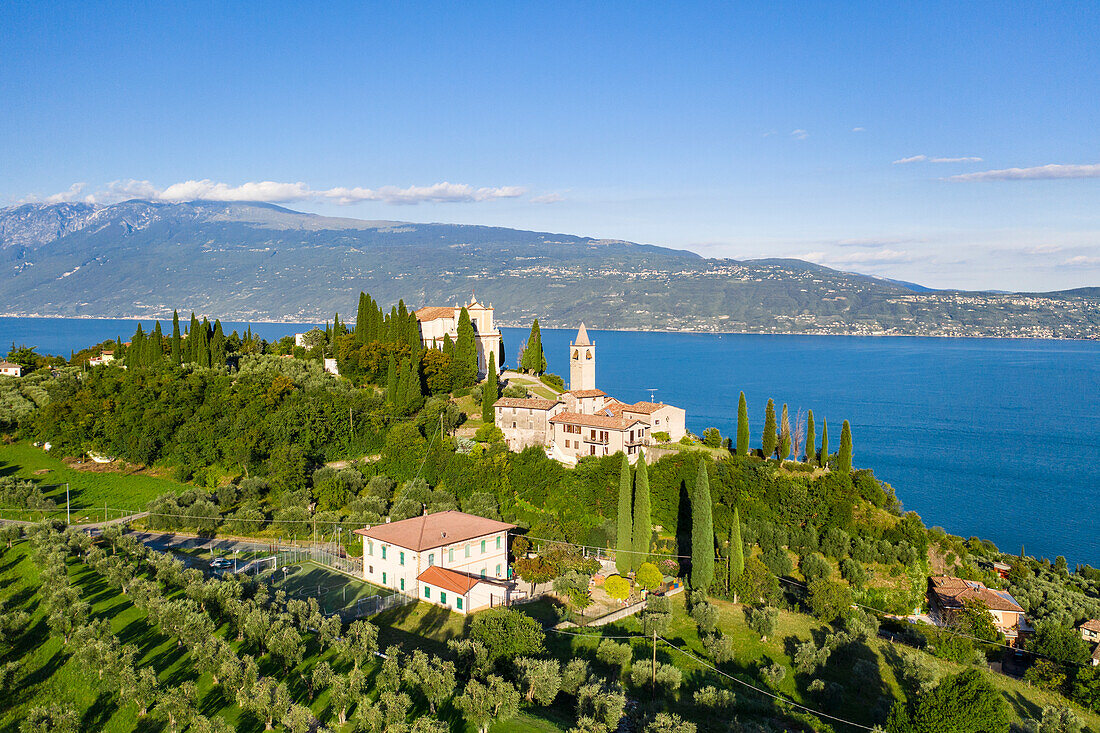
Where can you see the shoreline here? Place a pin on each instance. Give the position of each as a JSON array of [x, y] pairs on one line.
[[611, 330]]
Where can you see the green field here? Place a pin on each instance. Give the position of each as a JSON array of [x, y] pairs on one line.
[[88, 491]]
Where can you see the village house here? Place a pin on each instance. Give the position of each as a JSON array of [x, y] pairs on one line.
[[585, 421], [438, 322], [946, 596], [8, 369], [455, 560], [105, 357], [1090, 632]]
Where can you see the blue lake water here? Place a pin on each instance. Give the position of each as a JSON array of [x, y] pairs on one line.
[[988, 437]]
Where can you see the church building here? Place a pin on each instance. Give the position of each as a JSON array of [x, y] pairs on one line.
[[585, 420], [437, 322]]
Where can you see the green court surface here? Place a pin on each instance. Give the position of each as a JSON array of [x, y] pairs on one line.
[[333, 590]]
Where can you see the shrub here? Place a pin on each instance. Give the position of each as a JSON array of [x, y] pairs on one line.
[[774, 673], [554, 381], [814, 567], [507, 633], [687, 440], [853, 571], [615, 654], [713, 697], [489, 434], [719, 647], [515, 390], [712, 438], [648, 576], [661, 436], [617, 587], [777, 560], [763, 621], [706, 616], [669, 567]]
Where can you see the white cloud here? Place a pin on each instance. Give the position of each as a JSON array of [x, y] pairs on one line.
[[859, 129], [884, 256], [547, 198], [1038, 173], [799, 134], [927, 159], [1082, 261], [278, 192]]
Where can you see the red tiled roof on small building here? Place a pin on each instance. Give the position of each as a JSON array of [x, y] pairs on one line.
[[432, 312], [583, 393], [953, 591], [644, 408], [594, 421], [1091, 625], [434, 530], [446, 579], [531, 403]]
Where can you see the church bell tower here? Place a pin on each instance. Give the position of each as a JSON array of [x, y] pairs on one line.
[[582, 362]]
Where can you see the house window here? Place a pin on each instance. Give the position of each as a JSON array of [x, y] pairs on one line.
[[498, 542], [402, 584], [443, 598], [370, 569], [451, 555], [467, 550], [513, 424], [431, 559], [483, 547], [401, 558], [383, 577], [427, 592], [383, 552], [458, 603], [484, 573], [370, 548], [498, 570]]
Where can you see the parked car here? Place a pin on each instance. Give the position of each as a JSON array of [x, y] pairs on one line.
[[220, 563]]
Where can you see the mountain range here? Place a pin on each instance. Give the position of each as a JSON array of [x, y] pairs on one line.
[[256, 261]]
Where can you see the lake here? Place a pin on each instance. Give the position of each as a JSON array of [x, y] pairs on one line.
[[997, 438]]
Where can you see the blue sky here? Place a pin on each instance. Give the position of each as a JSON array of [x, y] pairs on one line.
[[734, 130]]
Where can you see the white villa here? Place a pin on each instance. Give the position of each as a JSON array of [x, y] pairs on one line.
[[105, 357], [437, 322], [585, 421], [452, 559], [8, 369]]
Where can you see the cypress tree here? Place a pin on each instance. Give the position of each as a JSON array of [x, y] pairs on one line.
[[411, 395], [135, 355], [844, 455], [416, 345], [217, 345], [811, 439], [737, 550], [465, 356], [489, 392], [702, 531], [202, 344], [534, 361], [448, 345], [769, 439], [361, 319], [823, 460], [624, 542], [742, 426], [784, 435], [177, 354], [643, 521], [391, 380], [191, 353], [156, 344]]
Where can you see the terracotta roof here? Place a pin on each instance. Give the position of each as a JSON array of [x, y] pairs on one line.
[[532, 403], [953, 591], [451, 580], [645, 408], [432, 312], [434, 530], [1091, 625], [593, 421], [9, 365], [582, 337], [587, 393], [1096, 652]]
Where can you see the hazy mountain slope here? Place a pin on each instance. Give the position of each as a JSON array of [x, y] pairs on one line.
[[259, 261]]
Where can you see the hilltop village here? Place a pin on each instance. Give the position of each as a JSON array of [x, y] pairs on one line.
[[373, 526]]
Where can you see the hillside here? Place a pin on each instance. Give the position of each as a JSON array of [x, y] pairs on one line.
[[244, 261]]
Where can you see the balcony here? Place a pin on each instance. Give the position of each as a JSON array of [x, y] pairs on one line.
[[598, 440]]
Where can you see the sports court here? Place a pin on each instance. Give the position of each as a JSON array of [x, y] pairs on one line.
[[333, 590]]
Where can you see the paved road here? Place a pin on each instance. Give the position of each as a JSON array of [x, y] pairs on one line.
[[93, 527]]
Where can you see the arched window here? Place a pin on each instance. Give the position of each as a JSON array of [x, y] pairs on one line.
[[576, 354], [588, 354]]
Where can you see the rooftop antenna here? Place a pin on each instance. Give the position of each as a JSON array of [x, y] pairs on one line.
[[651, 390]]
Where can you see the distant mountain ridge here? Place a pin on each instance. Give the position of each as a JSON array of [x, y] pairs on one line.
[[256, 261]]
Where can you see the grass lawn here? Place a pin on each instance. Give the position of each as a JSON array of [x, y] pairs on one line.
[[535, 386], [88, 490]]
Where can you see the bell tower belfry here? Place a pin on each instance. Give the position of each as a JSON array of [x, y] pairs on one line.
[[582, 362]]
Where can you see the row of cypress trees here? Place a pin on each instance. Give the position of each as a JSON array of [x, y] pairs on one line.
[[634, 519], [204, 344], [777, 439]]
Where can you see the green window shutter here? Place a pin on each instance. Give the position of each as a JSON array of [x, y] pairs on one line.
[[427, 592], [458, 603], [442, 597]]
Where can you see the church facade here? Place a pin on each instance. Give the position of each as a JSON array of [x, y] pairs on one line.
[[438, 322], [585, 420]]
